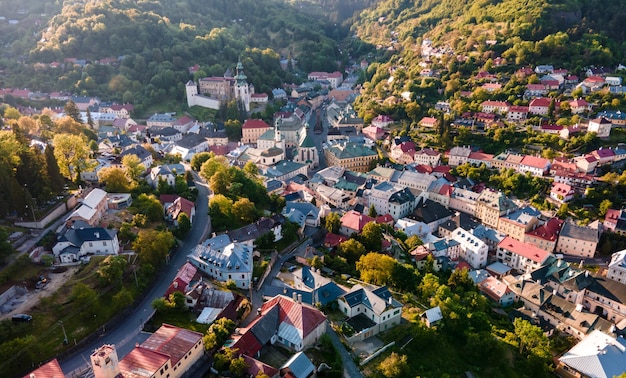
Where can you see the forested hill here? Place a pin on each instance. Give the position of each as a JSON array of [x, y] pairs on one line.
[[567, 32], [158, 40]]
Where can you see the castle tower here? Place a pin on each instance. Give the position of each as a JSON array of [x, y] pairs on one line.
[[242, 89], [191, 89], [306, 152], [104, 362]]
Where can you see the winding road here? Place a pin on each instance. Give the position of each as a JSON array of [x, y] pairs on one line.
[[128, 331]]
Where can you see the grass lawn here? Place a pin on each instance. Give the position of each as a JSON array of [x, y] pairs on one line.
[[178, 318]]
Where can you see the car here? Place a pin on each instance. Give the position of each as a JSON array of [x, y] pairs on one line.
[[21, 318]]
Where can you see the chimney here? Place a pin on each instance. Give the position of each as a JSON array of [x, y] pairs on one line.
[[294, 296], [175, 284], [586, 273], [390, 300], [299, 298]]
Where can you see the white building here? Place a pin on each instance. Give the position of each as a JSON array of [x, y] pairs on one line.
[[473, 250], [224, 262], [617, 267], [521, 256], [601, 126], [82, 242]]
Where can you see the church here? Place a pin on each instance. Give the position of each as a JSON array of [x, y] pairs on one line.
[[210, 92]]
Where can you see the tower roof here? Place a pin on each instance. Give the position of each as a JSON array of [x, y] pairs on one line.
[[307, 142]]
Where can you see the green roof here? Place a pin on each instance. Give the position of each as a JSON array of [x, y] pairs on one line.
[[307, 142]]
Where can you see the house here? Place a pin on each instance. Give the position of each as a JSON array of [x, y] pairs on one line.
[[539, 106], [50, 369], [141, 152], [617, 267], [224, 261], [577, 240], [517, 223], [427, 156], [403, 152], [310, 287], [500, 107], [458, 156], [334, 78], [302, 213], [517, 113], [546, 235], [183, 280], [298, 366], [615, 221], [390, 199], [166, 173], [491, 205], [472, 249], [430, 213], [382, 121], [562, 193], [373, 132], [370, 310], [180, 206], [535, 90], [249, 233], [91, 208], [353, 222], [597, 355], [497, 291], [520, 256], [170, 349], [478, 158], [162, 134], [432, 316], [252, 129], [604, 155], [429, 122], [349, 155], [600, 126], [579, 106], [81, 241], [284, 321], [190, 145], [537, 166], [161, 120], [586, 164]]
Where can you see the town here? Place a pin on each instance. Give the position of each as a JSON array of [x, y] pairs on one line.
[[317, 232]]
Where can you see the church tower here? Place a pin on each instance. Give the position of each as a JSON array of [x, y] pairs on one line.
[[306, 152], [242, 89], [191, 90]]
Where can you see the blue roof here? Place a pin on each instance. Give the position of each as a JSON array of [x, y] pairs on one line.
[[300, 365]]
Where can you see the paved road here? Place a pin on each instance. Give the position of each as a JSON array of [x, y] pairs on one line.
[[350, 370], [127, 332]]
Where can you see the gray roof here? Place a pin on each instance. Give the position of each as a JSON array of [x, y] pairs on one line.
[[574, 231], [79, 236], [299, 365], [377, 299], [191, 140], [138, 150], [429, 211], [598, 355]]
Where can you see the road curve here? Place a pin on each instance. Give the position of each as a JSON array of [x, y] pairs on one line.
[[129, 328]]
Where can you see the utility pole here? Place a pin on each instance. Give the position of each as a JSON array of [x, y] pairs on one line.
[[64, 333]]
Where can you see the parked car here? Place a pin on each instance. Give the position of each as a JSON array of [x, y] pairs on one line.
[[21, 318]]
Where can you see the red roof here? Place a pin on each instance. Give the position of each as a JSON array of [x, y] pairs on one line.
[[421, 168], [167, 198], [536, 87], [172, 341], [493, 288], [332, 240], [50, 369], [603, 153], [518, 109], [526, 250], [480, 156], [595, 79], [535, 162], [384, 219], [561, 188], [427, 151], [183, 120], [407, 146], [446, 190], [428, 120], [578, 103], [248, 344], [142, 360], [255, 124], [355, 221], [548, 231], [551, 127], [256, 366], [302, 316], [500, 104], [542, 102], [185, 275]]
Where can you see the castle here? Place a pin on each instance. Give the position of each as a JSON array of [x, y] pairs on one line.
[[210, 92]]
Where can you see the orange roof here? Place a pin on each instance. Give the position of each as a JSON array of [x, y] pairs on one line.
[[303, 317], [535, 162], [493, 288], [526, 250], [50, 369], [172, 341], [542, 101], [141, 361]]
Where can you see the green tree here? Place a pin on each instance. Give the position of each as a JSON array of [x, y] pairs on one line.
[[213, 165], [184, 225], [412, 242], [332, 222], [219, 183], [372, 236], [84, 299], [200, 158], [531, 339], [376, 268], [395, 365], [429, 286], [176, 300], [133, 167], [114, 180], [111, 269], [72, 154], [238, 366], [351, 250], [372, 212], [152, 246], [605, 205], [244, 210], [150, 206]]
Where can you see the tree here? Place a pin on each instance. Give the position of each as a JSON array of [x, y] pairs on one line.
[[531, 339], [83, 297], [412, 242], [460, 281], [372, 212], [251, 169], [317, 262], [372, 236], [223, 358], [563, 211], [200, 158], [605, 205], [332, 222], [405, 277], [244, 210], [153, 246], [395, 365], [351, 250], [176, 300], [376, 268], [238, 366], [429, 286], [184, 225], [214, 164], [71, 110], [72, 154], [150, 206], [111, 269], [89, 119], [219, 183], [133, 166], [5, 247], [114, 180]]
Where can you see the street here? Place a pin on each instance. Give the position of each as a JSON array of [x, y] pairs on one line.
[[128, 331]]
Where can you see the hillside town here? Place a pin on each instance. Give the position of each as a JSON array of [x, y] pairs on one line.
[[532, 257]]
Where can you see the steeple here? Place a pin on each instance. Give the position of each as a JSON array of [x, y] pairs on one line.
[[240, 77]]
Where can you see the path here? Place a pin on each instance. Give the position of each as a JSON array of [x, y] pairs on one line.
[[350, 370]]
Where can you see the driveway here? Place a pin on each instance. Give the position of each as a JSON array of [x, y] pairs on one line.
[[350, 370]]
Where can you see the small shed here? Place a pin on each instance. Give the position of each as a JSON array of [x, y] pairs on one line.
[[432, 316]]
